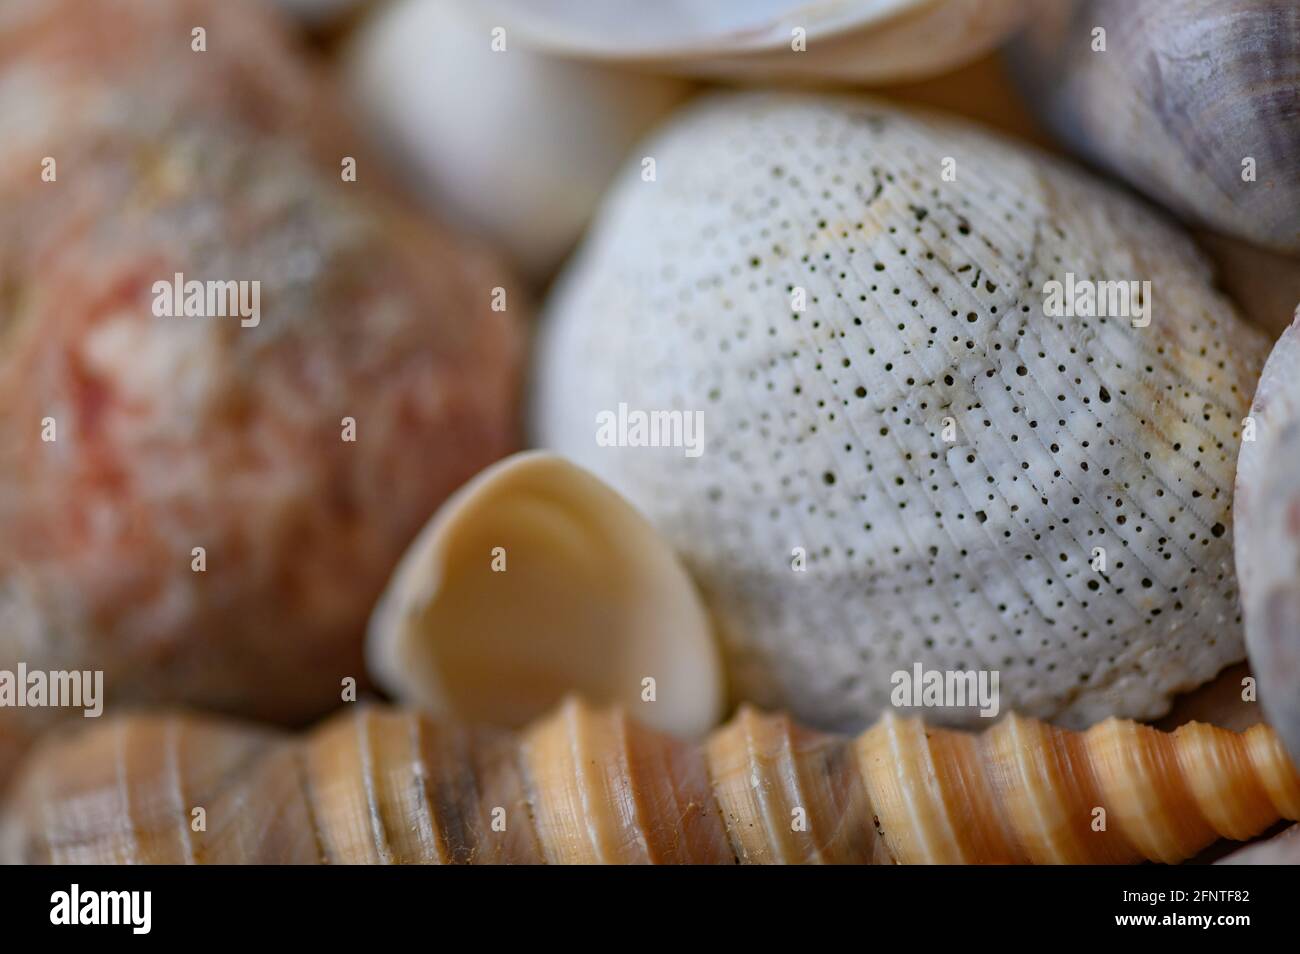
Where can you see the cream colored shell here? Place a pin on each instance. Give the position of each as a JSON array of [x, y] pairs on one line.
[[870, 41], [536, 580], [825, 427]]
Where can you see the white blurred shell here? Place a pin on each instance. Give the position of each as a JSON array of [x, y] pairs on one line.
[[855, 40], [823, 428], [514, 145], [1268, 537]]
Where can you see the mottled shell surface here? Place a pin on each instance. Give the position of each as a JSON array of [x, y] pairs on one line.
[[177, 433], [865, 41], [1194, 102], [1268, 536], [824, 427], [587, 786]]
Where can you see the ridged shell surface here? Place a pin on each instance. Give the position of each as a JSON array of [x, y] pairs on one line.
[[587, 786], [924, 312]]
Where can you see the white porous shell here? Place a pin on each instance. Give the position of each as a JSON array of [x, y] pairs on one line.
[[1268, 537], [867, 41], [514, 145], [824, 428]]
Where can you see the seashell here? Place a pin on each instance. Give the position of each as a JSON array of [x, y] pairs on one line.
[[535, 580], [1194, 102], [1281, 849], [516, 146], [838, 538], [174, 433], [376, 785], [79, 64], [1268, 536], [865, 41]]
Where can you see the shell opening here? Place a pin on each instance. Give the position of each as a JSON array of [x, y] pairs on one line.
[[537, 580]]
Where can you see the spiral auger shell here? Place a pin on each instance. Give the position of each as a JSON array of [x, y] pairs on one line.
[[381, 785]]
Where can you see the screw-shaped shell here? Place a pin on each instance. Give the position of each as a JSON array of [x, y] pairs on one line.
[[589, 786], [1073, 532]]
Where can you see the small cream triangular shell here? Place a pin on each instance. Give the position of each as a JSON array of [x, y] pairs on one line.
[[536, 580]]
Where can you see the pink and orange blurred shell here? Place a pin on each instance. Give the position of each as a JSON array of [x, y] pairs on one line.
[[176, 433]]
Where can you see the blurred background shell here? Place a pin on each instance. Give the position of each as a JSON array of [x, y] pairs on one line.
[[515, 146], [1184, 93], [177, 433], [864, 41]]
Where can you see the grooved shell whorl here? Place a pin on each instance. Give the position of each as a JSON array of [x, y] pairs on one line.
[[589, 786]]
